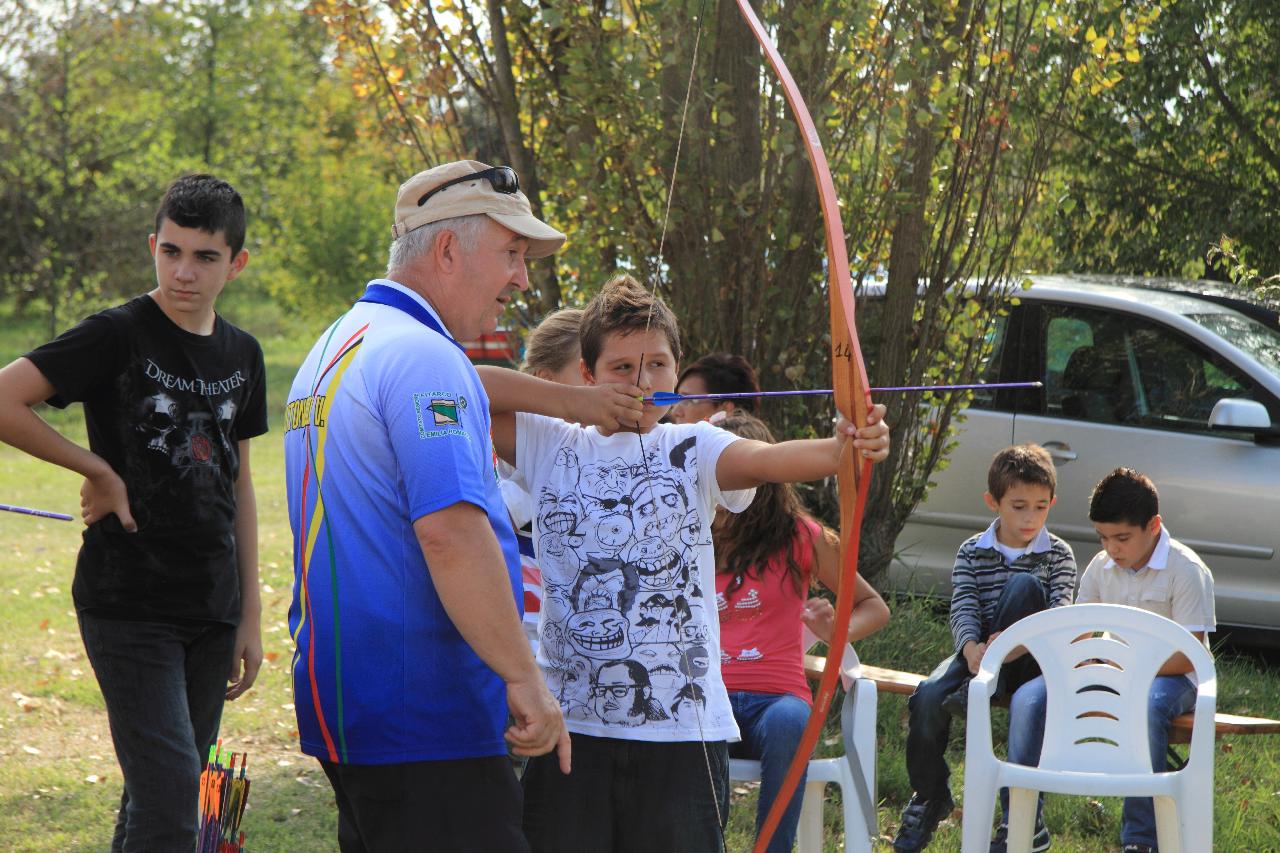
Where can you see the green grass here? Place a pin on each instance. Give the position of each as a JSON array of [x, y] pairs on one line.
[[60, 784]]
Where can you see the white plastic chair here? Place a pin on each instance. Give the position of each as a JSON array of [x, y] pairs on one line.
[[858, 729], [1095, 739]]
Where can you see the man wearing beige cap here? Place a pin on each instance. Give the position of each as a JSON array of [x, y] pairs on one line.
[[410, 652]]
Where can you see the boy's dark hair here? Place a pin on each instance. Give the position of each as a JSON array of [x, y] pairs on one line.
[[1124, 496], [1021, 463], [725, 373], [205, 202], [623, 305]]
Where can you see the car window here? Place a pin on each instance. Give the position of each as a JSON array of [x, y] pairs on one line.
[[1111, 368], [1179, 382], [1260, 341], [996, 336], [1063, 336], [1086, 372]]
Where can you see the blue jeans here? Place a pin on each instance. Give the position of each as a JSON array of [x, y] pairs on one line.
[[771, 725], [929, 726], [164, 687], [1171, 696]]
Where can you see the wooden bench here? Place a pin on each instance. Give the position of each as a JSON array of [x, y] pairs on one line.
[[905, 683]]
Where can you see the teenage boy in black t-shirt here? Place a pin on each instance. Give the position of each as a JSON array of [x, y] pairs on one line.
[[166, 583]]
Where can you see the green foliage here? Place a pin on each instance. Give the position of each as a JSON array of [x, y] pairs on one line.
[[1227, 255], [332, 214], [102, 104], [1181, 150], [937, 119], [70, 114]]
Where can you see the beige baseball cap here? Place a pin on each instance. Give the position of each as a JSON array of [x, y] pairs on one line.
[[465, 198]]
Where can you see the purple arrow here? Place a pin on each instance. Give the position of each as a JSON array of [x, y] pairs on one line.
[[42, 513], [669, 398]]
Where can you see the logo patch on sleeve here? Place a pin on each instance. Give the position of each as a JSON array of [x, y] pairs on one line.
[[445, 411], [438, 414]]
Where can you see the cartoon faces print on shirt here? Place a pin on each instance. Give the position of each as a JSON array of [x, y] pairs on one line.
[[619, 543]]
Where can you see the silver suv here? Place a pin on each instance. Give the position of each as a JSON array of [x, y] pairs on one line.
[[1176, 379]]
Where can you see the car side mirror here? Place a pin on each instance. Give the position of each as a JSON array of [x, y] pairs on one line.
[[1233, 413]]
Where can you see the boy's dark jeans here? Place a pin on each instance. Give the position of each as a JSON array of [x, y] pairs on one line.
[[468, 805], [929, 727], [164, 687], [629, 796]]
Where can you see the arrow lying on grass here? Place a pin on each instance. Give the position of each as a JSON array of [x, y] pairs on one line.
[[42, 513], [670, 398]]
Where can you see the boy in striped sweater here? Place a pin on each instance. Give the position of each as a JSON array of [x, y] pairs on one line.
[[1012, 569]]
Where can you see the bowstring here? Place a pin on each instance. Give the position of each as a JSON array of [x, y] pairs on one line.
[[644, 456]]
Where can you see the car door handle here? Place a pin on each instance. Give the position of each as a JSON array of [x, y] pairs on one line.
[[1060, 451]]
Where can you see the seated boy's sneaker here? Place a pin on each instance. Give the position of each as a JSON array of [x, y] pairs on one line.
[[1039, 841], [919, 820], [956, 703], [1138, 848]]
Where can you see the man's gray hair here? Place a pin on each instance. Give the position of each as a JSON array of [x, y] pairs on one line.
[[418, 242]]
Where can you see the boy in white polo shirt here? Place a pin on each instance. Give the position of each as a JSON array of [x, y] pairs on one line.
[[1142, 566]]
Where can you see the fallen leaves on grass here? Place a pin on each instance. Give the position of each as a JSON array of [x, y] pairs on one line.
[[26, 703]]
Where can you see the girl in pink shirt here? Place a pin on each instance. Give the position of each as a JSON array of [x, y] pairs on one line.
[[766, 560]]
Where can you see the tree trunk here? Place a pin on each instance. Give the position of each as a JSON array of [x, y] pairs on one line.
[[546, 287]]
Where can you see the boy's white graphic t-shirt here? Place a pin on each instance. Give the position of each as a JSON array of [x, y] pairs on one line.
[[629, 637]]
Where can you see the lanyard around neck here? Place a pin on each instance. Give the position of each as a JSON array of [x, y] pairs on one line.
[[380, 294]]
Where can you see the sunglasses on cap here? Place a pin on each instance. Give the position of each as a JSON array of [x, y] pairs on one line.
[[503, 179]]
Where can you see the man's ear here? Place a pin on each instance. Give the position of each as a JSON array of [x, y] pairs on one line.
[[587, 376], [151, 244], [445, 251]]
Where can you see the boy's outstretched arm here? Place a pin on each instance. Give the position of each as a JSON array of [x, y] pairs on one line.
[[248, 655], [608, 407], [22, 387], [747, 463]]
